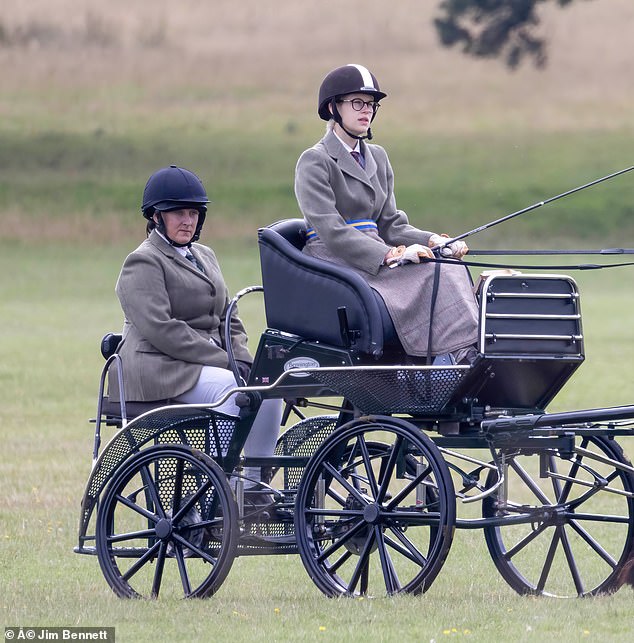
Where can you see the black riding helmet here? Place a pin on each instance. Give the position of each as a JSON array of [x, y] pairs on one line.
[[174, 188], [349, 79]]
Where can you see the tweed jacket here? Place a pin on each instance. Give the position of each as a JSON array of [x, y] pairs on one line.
[[331, 189], [175, 318]]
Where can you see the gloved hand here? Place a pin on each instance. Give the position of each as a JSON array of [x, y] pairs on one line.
[[414, 252], [455, 250], [393, 256]]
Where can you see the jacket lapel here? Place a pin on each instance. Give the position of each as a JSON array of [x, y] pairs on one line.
[[169, 251], [345, 161], [370, 163]]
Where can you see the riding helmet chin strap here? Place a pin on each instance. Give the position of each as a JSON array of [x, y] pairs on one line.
[[160, 226], [337, 116]]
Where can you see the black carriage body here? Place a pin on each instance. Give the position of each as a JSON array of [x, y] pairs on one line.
[[530, 340], [348, 484], [530, 344], [280, 352]]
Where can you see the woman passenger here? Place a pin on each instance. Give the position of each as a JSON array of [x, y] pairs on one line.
[[175, 300]]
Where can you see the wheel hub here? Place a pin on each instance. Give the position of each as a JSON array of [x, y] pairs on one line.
[[372, 514], [163, 528]]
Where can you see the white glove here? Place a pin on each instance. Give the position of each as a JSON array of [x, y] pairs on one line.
[[393, 256], [455, 250], [414, 252]]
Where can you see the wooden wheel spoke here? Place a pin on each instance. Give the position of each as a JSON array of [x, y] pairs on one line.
[[150, 485], [367, 462], [529, 482], [519, 546], [158, 571], [178, 488], [124, 500], [363, 561], [570, 559], [332, 568], [409, 550], [148, 555], [548, 562], [197, 550], [594, 544], [408, 488], [131, 535], [344, 483], [392, 583], [386, 476], [341, 541], [191, 500], [182, 569]]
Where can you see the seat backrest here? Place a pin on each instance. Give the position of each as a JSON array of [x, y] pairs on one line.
[[302, 295]]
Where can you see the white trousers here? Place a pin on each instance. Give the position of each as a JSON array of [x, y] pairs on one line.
[[212, 385]]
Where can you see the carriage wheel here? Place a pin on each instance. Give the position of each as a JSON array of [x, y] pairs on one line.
[[375, 510], [167, 523], [582, 528]]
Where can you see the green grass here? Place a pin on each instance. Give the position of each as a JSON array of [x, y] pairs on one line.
[[56, 308], [445, 183], [461, 183]]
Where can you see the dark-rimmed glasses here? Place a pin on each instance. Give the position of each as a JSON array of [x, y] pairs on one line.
[[358, 103]]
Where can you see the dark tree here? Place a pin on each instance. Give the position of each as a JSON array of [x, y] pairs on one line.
[[495, 28]]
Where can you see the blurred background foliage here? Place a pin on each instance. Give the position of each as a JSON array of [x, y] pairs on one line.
[[97, 96]]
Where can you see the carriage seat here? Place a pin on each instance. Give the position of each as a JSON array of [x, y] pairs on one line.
[[319, 300]]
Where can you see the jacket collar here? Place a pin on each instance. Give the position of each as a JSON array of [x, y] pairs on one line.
[[344, 159], [170, 251], [160, 244]]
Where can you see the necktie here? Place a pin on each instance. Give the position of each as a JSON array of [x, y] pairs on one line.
[[358, 158], [190, 257]]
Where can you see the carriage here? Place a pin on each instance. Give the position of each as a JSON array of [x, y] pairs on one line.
[[382, 457]]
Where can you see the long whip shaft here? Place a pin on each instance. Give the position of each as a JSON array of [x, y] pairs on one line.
[[539, 204]]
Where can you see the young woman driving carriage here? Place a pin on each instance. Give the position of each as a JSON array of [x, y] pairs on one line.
[[344, 187], [175, 300]]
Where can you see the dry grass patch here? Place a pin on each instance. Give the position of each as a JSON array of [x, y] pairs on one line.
[[216, 58]]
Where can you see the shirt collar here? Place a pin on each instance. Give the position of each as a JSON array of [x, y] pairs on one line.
[[181, 251], [356, 148]]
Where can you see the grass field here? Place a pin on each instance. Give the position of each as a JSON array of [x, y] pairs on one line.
[[95, 96], [54, 314]]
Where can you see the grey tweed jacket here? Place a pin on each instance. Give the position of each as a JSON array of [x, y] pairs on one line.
[[331, 189], [175, 318]]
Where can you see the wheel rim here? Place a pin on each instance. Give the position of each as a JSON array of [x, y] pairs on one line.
[[581, 531], [167, 525], [365, 522]]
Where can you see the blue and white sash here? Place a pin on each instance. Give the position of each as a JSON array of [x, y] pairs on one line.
[[359, 224]]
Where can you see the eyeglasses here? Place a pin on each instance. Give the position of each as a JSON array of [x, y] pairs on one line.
[[358, 103]]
